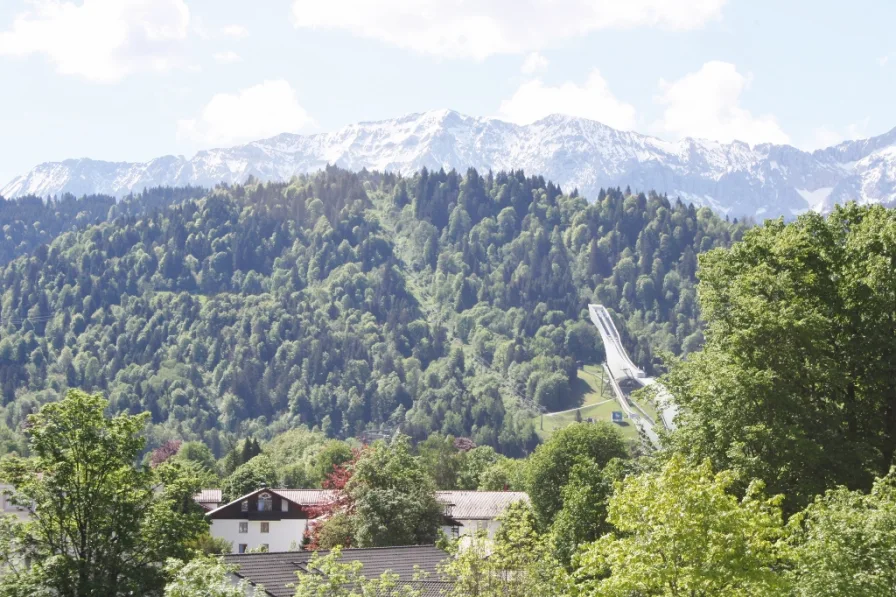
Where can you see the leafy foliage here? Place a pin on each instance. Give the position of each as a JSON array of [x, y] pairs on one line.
[[591, 445], [583, 517], [257, 473], [100, 526], [679, 532], [518, 563], [796, 384], [393, 498], [845, 543], [333, 576], [205, 576]]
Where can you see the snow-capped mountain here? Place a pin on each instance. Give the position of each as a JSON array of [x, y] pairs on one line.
[[764, 180]]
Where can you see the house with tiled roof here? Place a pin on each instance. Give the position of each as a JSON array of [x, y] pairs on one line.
[[468, 512], [276, 519], [209, 499], [276, 571], [272, 519]]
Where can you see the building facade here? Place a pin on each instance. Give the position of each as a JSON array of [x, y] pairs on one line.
[[470, 512], [276, 519], [266, 519]]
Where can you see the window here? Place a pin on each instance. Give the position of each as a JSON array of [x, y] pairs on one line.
[[244, 527], [455, 532], [284, 505], [265, 527], [245, 506], [243, 547], [264, 502]]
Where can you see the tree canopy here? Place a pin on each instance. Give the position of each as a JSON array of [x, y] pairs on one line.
[[99, 524], [795, 384], [351, 302]]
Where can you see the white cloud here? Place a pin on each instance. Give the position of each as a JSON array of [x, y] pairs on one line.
[[235, 31], [825, 137], [534, 100], [101, 40], [228, 57], [534, 63], [253, 113], [461, 28], [706, 104]]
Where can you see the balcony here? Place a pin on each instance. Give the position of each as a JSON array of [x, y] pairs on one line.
[[266, 515]]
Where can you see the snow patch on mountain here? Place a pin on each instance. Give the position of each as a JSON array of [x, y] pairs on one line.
[[734, 178]]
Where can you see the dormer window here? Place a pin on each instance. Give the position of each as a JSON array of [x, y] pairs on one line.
[[265, 503]]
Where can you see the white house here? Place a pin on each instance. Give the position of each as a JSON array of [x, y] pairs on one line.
[[274, 519], [277, 518]]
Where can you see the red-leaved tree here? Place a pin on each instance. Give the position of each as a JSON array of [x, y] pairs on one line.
[[341, 503], [164, 452]]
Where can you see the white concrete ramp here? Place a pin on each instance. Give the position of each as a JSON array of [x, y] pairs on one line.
[[620, 366]]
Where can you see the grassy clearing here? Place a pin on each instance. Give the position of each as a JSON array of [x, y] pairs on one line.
[[594, 404]]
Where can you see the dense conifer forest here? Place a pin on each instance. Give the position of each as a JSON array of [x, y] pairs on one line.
[[351, 302]]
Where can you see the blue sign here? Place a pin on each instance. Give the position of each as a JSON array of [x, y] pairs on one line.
[[617, 416]]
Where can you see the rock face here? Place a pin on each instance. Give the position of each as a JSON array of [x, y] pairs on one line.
[[762, 181]]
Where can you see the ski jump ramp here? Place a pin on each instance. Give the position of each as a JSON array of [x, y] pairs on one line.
[[620, 366]]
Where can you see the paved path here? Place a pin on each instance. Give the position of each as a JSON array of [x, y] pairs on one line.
[[569, 410]]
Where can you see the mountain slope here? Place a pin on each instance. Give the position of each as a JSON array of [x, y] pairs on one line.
[[356, 302], [765, 180]]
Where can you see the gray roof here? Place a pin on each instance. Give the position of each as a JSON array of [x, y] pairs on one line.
[[479, 505], [275, 571], [208, 496], [307, 497]]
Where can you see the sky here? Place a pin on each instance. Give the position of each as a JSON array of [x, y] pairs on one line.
[[129, 80]]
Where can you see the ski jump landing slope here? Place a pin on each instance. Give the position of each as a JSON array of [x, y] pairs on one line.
[[621, 367]]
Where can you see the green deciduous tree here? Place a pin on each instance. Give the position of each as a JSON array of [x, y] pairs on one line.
[[550, 465], [844, 543], [256, 473], [795, 384], [583, 517], [505, 474], [332, 575], [393, 497], [199, 453], [474, 465], [206, 577], [100, 524], [680, 533]]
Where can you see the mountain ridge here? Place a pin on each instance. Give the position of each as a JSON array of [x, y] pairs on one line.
[[732, 178]]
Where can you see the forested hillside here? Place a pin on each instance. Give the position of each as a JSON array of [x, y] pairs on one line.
[[350, 301], [28, 222]]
